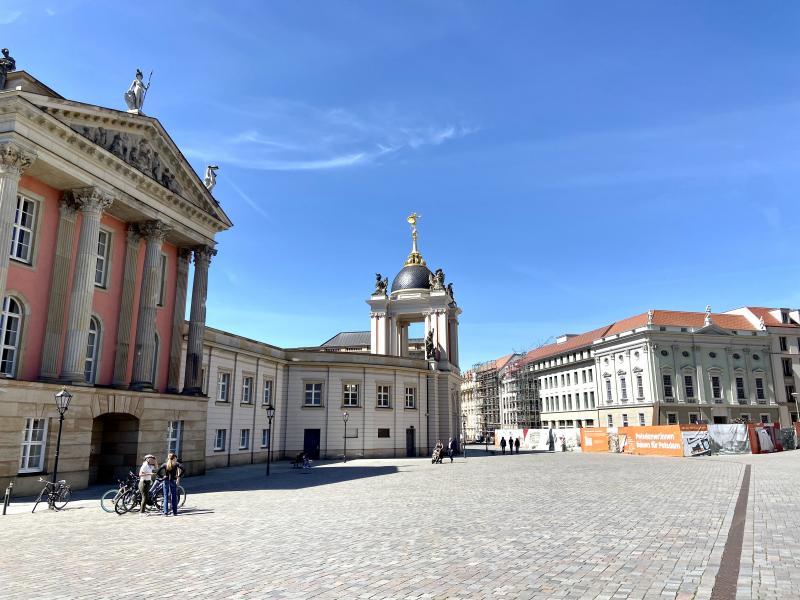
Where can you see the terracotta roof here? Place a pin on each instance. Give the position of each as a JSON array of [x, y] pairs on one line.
[[579, 341], [769, 319], [676, 318], [503, 361]]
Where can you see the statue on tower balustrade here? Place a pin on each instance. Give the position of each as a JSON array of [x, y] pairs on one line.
[[210, 180], [429, 350], [436, 280], [7, 64], [381, 283]]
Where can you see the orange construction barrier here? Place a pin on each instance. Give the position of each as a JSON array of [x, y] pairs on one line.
[[657, 440], [594, 439]]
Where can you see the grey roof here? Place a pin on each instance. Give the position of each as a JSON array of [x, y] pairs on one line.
[[348, 339], [412, 277]]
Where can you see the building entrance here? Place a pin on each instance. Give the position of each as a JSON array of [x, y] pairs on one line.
[[114, 449], [311, 443], [411, 445]]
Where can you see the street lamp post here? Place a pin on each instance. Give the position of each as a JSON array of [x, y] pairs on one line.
[[345, 416], [62, 403], [270, 415], [464, 436]]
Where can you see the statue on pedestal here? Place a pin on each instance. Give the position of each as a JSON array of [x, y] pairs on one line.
[[429, 351], [450, 292], [136, 93], [381, 283], [436, 280], [7, 64], [210, 180]]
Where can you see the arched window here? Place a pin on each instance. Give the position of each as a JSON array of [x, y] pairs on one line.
[[154, 371], [11, 327], [92, 352]]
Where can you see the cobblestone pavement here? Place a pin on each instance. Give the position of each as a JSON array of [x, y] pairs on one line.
[[524, 526]]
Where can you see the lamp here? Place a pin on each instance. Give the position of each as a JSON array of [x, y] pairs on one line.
[[63, 398], [270, 415], [345, 416]]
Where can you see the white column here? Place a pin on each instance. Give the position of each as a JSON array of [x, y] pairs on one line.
[[178, 315], [126, 307], [153, 233], [192, 384], [53, 336], [91, 202], [14, 160]]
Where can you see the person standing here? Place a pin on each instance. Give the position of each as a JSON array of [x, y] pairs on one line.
[[503, 444], [171, 471], [450, 448], [145, 480], [516, 444]]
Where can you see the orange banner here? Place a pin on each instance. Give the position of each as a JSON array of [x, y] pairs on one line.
[[594, 439], [659, 440]]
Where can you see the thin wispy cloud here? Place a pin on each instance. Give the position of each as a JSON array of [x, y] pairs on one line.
[[247, 199], [293, 136], [9, 16]]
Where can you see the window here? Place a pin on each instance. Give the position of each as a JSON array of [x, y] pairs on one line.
[[666, 379], [623, 388], [610, 419], [764, 418], [219, 439], [92, 346], [247, 390], [267, 399], [162, 280], [585, 400], [22, 234], [745, 417], [624, 419], [11, 325], [350, 394], [591, 376], [411, 397], [641, 419], [265, 438], [591, 398], [688, 385], [784, 345], [33, 442], [562, 380], [244, 439], [760, 389], [568, 382], [313, 394], [384, 392], [716, 387], [740, 393], [590, 422], [569, 401], [608, 391], [223, 385], [694, 418], [101, 267], [785, 317], [639, 387], [175, 437], [383, 433], [789, 393], [787, 367], [672, 419], [583, 376]]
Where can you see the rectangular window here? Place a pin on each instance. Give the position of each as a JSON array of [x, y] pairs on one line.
[[223, 385], [411, 397], [787, 367], [789, 393], [666, 378], [623, 388], [313, 394], [694, 418], [350, 394], [33, 442], [247, 390], [716, 387], [591, 398], [672, 419], [244, 439], [384, 393], [175, 437], [585, 400], [267, 397], [740, 393], [568, 382], [101, 267], [562, 380], [784, 345], [591, 376], [162, 280], [609, 397], [641, 419], [760, 389], [264, 438], [639, 387], [610, 420], [688, 385], [764, 418], [590, 422], [745, 417], [583, 376], [22, 234], [624, 419], [383, 433], [219, 439]]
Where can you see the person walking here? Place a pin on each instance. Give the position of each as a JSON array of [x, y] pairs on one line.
[[503, 444], [145, 480], [450, 448], [171, 471], [516, 444]]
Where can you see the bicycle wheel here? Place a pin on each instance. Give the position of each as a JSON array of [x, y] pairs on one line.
[[158, 499], [38, 499], [126, 502], [181, 496], [62, 497], [109, 498]]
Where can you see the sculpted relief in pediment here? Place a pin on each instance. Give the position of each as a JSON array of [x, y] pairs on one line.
[[134, 150]]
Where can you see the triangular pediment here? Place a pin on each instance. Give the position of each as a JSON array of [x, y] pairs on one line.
[[713, 329], [139, 141]]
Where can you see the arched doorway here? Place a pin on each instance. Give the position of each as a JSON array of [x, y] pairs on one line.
[[115, 443]]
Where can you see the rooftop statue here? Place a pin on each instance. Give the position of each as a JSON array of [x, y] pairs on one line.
[[136, 93], [7, 64], [381, 283], [210, 180], [436, 280], [450, 292]]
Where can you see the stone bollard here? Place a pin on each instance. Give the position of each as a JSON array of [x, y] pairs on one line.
[[7, 497]]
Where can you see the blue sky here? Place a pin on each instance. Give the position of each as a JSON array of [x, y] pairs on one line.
[[573, 163]]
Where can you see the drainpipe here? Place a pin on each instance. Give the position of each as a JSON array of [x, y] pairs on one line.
[[254, 400], [364, 414]]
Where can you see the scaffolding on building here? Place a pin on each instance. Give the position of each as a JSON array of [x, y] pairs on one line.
[[521, 393], [487, 396]]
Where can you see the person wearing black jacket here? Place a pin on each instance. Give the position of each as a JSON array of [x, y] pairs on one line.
[[171, 472]]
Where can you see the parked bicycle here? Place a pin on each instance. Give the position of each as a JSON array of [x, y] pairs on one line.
[[132, 498], [110, 498], [57, 495]]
